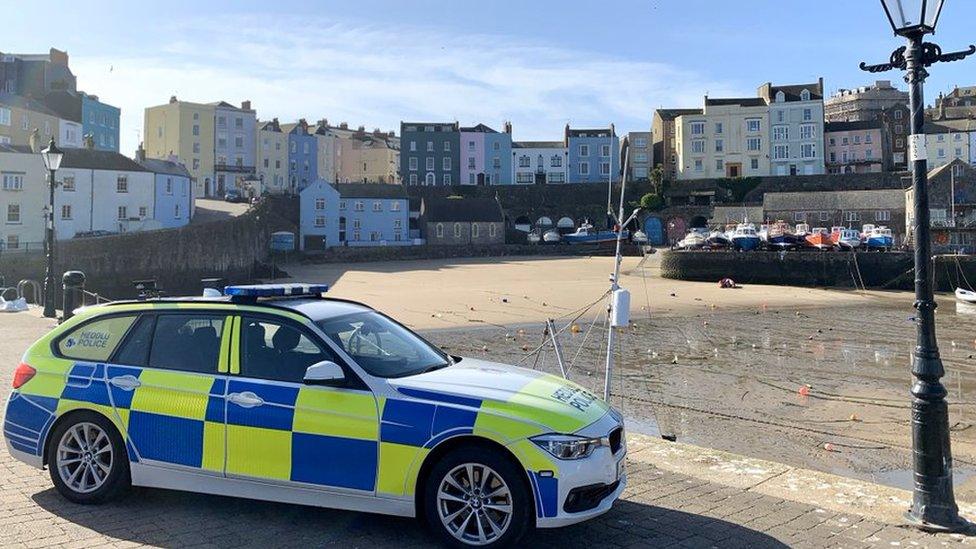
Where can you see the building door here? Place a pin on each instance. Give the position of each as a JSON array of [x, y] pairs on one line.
[[792, 169], [342, 230], [733, 170]]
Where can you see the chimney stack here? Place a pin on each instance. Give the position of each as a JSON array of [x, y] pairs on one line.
[[172, 99], [140, 153], [508, 127], [246, 105]]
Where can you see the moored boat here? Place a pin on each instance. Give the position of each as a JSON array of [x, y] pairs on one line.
[[718, 239], [780, 236], [744, 237], [877, 238], [820, 239], [694, 240], [844, 238], [551, 236], [966, 296], [586, 234]]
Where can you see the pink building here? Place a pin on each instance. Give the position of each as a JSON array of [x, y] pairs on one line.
[[856, 147], [473, 154]]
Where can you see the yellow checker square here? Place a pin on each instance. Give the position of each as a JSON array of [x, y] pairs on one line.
[[119, 417], [533, 457], [398, 468], [321, 411], [493, 422], [174, 394], [214, 443], [257, 452], [50, 378]]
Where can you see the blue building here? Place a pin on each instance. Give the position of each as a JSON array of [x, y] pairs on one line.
[[594, 155], [430, 153], [101, 121], [302, 156], [172, 191], [353, 214], [498, 156]]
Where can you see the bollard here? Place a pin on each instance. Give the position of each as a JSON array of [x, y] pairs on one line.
[[72, 297]]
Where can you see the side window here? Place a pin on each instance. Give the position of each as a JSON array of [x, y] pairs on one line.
[[278, 351], [187, 342], [135, 350], [95, 341]]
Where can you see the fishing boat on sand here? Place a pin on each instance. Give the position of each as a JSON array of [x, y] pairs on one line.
[[694, 240], [780, 236], [586, 234], [744, 237], [718, 239], [877, 238], [966, 296], [820, 239], [845, 239]]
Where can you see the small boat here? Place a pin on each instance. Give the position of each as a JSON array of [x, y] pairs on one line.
[[780, 236], [801, 231], [693, 241], [639, 237], [586, 234], [845, 239], [877, 238], [718, 240], [763, 233], [744, 237], [552, 236], [534, 237], [966, 296], [820, 239]]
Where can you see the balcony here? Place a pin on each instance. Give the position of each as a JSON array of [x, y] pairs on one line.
[[233, 168]]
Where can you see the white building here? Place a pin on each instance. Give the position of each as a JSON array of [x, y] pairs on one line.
[[540, 162], [796, 119], [23, 194], [69, 134], [272, 157]]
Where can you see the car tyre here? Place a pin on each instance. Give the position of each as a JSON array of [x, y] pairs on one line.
[[498, 499], [87, 459]]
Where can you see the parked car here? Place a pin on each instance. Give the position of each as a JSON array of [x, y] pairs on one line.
[[234, 195], [275, 392]]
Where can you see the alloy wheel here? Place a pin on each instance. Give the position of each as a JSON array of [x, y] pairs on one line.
[[84, 457], [474, 504]]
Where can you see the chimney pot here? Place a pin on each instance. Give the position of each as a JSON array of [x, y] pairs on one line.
[[172, 99]]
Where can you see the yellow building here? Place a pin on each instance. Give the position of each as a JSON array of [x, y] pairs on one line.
[[272, 157], [728, 139], [20, 116], [183, 131], [368, 157]]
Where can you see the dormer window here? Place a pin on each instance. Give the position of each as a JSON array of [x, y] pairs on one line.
[[780, 97], [805, 95]]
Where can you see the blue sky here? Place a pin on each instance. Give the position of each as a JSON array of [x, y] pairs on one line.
[[538, 63]]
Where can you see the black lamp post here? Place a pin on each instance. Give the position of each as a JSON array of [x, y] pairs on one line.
[[52, 156], [933, 503]]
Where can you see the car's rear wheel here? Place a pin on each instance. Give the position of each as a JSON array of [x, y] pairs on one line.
[[475, 497], [87, 459]]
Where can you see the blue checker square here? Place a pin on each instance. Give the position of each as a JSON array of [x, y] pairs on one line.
[[333, 461], [406, 422], [165, 438]]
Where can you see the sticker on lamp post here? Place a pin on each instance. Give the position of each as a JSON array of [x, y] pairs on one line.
[[916, 147]]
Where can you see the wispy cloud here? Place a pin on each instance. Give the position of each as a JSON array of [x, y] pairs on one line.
[[378, 75]]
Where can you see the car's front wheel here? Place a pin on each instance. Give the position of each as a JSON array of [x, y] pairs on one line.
[[476, 497], [87, 459]]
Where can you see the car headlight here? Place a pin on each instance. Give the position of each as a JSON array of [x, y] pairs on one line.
[[567, 446]]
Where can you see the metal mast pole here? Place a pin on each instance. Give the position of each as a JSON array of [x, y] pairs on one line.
[[614, 285]]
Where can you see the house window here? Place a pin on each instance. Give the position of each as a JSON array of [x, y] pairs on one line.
[[395, 207], [605, 151], [496, 162], [470, 162], [524, 178], [430, 163], [122, 184], [805, 95], [799, 216], [584, 150], [699, 165], [440, 230], [446, 163], [68, 183], [319, 203], [196, 163], [447, 146], [719, 145], [357, 224], [142, 211], [13, 242], [196, 129], [474, 230], [122, 213], [806, 131], [807, 115], [824, 216], [718, 129], [781, 152], [697, 128], [882, 215], [176, 212], [412, 163], [430, 146], [584, 168], [342, 205], [377, 206], [413, 179], [447, 179], [780, 115], [359, 206], [868, 139], [169, 185], [397, 223], [4, 116], [413, 146], [431, 179], [698, 146], [470, 145], [13, 213], [852, 216], [604, 168], [754, 163], [869, 154], [525, 161], [753, 125], [13, 181], [719, 165], [898, 115], [320, 221], [492, 230], [781, 133], [754, 143], [809, 150], [457, 230]]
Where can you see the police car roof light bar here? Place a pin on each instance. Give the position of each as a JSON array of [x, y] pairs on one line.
[[254, 291]]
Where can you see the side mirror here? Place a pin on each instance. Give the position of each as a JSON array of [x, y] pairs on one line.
[[324, 373]]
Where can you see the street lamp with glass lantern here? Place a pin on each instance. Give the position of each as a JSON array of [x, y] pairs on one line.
[[933, 503], [52, 156]]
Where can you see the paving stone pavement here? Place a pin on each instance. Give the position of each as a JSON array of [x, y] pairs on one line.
[[659, 509]]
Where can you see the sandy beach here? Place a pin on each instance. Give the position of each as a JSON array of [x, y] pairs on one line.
[[508, 291]]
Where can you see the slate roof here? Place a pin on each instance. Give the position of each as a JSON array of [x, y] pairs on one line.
[[370, 190], [21, 149], [269, 126], [850, 126], [793, 91], [25, 103], [538, 145], [741, 101], [90, 159], [480, 128], [671, 114], [592, 132], [892, 199], [465, 210], [64, 104], [165, 167]]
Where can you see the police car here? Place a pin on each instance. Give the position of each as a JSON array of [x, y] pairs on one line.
[[275, 392]]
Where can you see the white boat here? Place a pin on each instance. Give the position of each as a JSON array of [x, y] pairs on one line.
[[801, 231], [845, 239], [639, 237], [744, 237], [552, 236], [966, 296], [533, 238], [693, 240]]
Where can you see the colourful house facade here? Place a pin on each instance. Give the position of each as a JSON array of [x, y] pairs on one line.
[[594, 155]]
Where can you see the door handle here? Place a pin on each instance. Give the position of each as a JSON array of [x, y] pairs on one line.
[[247, 399], [126, 382]]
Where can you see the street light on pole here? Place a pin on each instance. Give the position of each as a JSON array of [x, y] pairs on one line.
[[52, 156], [933, 503]]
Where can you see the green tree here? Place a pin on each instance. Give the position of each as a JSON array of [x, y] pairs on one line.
[[651, 202]]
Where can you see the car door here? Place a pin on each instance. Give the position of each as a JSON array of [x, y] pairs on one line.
[[280, 429], [173, 404]]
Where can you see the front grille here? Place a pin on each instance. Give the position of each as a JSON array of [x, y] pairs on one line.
[[585, 498], [616, 439]]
